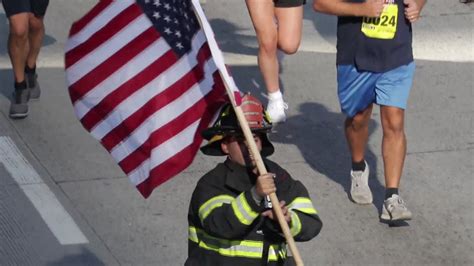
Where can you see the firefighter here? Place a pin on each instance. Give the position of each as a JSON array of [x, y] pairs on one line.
[[228, 221]]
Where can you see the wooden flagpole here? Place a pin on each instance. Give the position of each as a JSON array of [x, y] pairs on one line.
[[273, 197], [231, 88]]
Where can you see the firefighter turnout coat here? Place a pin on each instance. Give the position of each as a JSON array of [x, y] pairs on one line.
[[225, 225]]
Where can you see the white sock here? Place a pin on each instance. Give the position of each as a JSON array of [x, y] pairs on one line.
[[277, 95]]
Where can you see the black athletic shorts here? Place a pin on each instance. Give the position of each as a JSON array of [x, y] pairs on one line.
[[287, 3], [37, 7]]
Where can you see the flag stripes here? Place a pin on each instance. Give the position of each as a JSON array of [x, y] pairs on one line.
[[130, 90]]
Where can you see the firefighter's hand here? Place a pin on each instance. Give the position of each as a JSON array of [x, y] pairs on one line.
[[265, 185], [270, 214], [373, 8]]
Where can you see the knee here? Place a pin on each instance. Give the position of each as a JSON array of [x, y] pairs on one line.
[[357, 123], [288, 47], [393, 128], [36, 24], [393, 121], [268, 45], [19, 32]]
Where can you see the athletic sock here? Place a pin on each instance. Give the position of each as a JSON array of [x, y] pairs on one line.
[[358, 166], [20, 85], [29, 70], [275, 95], [390, 191]]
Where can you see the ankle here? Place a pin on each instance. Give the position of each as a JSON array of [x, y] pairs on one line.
[[273, 96], [30, 70], [20, 85], [358, 166], [390, 191]]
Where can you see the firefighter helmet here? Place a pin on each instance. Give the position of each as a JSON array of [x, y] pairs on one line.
[[227, 124]]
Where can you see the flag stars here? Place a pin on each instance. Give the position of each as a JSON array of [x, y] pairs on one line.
[[175, 21]]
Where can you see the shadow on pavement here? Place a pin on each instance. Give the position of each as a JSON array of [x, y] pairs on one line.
[[84, 258], [6, 81], [230, 41], [319, 135], [3, 34]]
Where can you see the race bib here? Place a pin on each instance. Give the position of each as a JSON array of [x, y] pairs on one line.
[[383, 27]]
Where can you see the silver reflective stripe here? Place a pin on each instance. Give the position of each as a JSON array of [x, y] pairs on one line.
[[243, 211]]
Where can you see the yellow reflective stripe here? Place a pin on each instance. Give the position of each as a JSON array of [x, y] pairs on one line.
[[303, 205], [277, 252], [243, 211], [295, 227], [213, 203], [192, 234], [235, 248]]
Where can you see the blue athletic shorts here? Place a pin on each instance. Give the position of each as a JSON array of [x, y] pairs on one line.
[[357, 90]]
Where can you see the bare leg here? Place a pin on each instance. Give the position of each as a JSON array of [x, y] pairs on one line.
[[357, 133], [263, 19], [18, 44], [36, 34], [393, 144], [290, 24]]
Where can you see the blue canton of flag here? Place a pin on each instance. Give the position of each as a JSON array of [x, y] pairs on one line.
[[175, 20]]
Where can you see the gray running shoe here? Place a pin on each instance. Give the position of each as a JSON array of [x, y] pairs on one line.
[[394, 209], [360, 191], [19, 104], [33, 85]]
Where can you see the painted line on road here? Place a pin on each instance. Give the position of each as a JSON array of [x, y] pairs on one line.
[[53, 213]]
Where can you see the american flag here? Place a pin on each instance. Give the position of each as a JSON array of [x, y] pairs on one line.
[[143, 81]]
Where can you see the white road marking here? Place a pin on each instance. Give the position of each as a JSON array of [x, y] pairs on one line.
[[53, 213]]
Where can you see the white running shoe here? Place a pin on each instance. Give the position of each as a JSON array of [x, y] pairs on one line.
[[276, 110], [394, 209], [360, 191]]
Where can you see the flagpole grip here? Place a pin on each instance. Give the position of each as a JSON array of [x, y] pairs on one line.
[[273, 197]]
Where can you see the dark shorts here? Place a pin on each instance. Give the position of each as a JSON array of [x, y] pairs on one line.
[[289, 3], [37, 7]]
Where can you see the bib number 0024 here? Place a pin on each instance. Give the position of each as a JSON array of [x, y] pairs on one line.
[[383, 27]]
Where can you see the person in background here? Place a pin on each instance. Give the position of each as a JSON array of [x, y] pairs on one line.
[[375, 65], [24, 42], [278, 26]]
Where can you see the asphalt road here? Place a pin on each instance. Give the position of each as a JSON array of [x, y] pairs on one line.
[[63, 201]]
